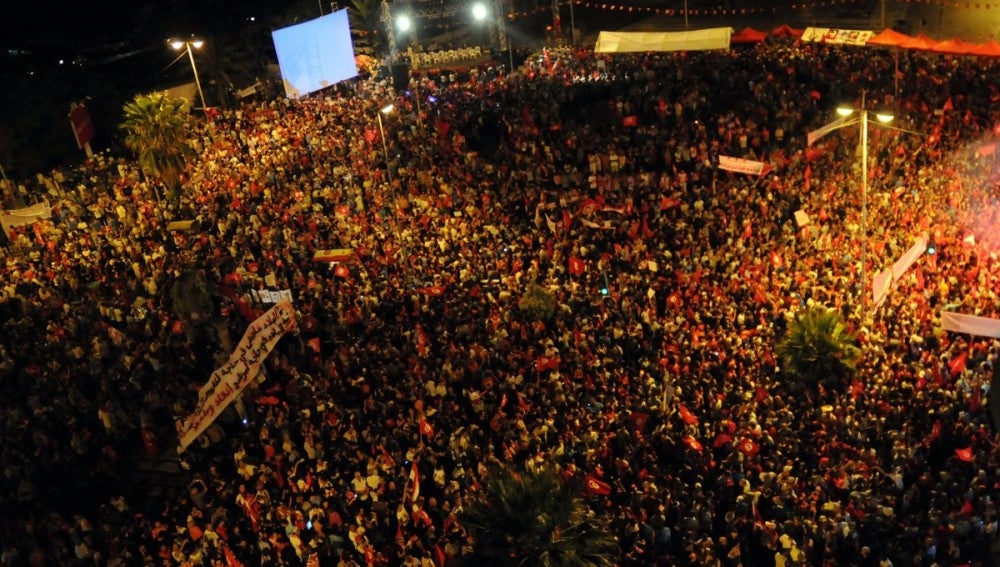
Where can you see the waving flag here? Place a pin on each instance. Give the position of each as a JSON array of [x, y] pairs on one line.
[[594, 485], [688, 417], [748, 447], [692, 442]]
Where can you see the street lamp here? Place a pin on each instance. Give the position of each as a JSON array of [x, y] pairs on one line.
[[882, 118], [404, 23], [197, 43], [385, 150], [479, 11]]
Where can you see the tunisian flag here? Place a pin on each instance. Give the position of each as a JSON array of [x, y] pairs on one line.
[[576, 266], [414, 482], [594, 485], [686, 415], [425, 428], [748, 447]]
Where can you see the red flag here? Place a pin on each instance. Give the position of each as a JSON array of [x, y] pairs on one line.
[[443, 127], [439, 556], [313, 343], [387, 457], [815, 94], [503, 400], [761, 394], [178, 327], [631, 120], [948, 105], [686, 415], [594, 485], [567, 220], [957, 364], [808, 176], [543, 363], [425, 428], [231, 560], [975, 400], [370, 135], [341, 271], [721, 440], [748, 447], [964, 454], [370, 555], [415, 482], [814, 152], [857, 388], [576, 266], [435, 290], [692, 442]]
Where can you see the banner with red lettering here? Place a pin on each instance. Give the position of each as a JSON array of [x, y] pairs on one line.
[[740, 165], [236, 374]]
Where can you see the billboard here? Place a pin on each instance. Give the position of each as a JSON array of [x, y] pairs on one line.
[[316, 54]]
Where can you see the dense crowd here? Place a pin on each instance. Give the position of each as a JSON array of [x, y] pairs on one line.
[[595, 177]]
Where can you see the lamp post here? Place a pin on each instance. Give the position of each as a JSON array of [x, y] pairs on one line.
[[884, 119], [385, 149], [197, 43]]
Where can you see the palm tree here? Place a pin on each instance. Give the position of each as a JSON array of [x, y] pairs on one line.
[[534, 520], [817, 348], [156, 130]]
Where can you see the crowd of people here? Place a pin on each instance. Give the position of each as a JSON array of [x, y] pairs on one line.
[[412, 364]]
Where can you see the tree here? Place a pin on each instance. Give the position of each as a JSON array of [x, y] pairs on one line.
[[534, 520], [156, 130], [537, 303], [817, 348]]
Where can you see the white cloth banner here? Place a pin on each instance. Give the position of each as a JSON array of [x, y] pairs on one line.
[[911, 256], [19, 217], [740, 165], [694, 40], [837, 37], [270, 296], [880, 287], [971, 324], [239, 370], [824, 130]]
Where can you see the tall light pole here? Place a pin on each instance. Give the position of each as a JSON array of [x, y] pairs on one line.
[[884, 119], [197, 43], [385, 149]]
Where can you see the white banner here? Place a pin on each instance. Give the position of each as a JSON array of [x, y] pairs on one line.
[[911, 256], [27, 215], [837, 37], [971, 324], [236, 374], [270, 296], [825, 129], [880, 287], [740, 165]]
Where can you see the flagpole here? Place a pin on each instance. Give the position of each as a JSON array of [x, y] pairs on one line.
[[864, 206]]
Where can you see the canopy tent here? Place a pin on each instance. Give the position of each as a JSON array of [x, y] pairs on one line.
[[749, 35], [889, 37], [631, 42], [989, 49], [955, 46], [785, 30], [921, 42]]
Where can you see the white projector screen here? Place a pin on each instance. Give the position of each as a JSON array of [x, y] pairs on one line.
[[315, 54]]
